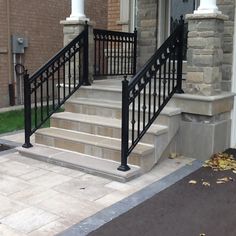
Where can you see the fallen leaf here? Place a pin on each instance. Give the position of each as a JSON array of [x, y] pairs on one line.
[[221, 162], [192, 182], [207, 184], [225, 179], [173, 155]]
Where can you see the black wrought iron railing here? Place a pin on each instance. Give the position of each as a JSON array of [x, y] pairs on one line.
[[48, 88], [148, 92], [115, 53]]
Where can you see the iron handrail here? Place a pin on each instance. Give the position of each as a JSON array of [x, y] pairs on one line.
[[148, 92], [115, 52], [50, 86]]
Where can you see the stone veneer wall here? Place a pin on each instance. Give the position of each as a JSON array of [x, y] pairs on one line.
[[227, 7], [147, 29]]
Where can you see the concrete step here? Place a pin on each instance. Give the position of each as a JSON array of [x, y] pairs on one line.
[[112, 109], [100, 126], [103, 147], [78, 161], [112, 92]]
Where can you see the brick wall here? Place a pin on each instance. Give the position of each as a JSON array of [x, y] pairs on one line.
[[39, 21], [97, 12], [3, 55], [227, 7], [114, 15]]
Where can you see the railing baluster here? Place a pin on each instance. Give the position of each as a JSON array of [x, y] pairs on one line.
[[159, 88], [118, 59], [139, 105], [47, 94], [135, 51], [64, 77], [58, 82], [99, 55], [35, 105], [111, 55], [144, 106], [53, 88], [114, 69], [95, 55], [173, 71], [69, 72], [169, 73], [122, 56], [103, 55], [133, 117], [164, 82], [128, 70], [155, 93], [149, 100], [74, 66], [125, 65], [41, 98]]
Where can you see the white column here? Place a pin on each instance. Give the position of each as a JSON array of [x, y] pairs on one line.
[[207, 6], [77, 10]]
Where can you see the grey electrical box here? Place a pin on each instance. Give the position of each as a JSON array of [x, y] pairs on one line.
[[19, 44]]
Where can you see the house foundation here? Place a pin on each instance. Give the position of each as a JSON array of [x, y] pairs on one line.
[[206, 124]]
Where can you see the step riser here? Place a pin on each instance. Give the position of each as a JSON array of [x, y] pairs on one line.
[[107, 95], [98, 94], [91, 128], [146, 162], [114, 112]]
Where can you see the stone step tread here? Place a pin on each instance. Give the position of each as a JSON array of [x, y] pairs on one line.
[[168, 111], [78, 161], [91, 139], [104, 121]]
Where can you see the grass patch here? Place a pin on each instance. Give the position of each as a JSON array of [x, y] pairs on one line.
[[14, 120]]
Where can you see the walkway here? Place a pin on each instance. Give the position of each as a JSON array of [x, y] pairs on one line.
[[42, 199]]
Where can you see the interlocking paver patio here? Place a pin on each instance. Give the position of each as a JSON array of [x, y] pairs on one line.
[[39, 198]]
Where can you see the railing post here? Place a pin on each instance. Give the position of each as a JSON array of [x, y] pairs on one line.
[[180, 57], [86, 56], [125, 126], [135, 50], [27, 110]]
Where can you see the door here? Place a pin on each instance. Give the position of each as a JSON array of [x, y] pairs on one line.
[[169, 14]]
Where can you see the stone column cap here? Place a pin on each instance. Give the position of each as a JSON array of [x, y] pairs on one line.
[[217, 16]]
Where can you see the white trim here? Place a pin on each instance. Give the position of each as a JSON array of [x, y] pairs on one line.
[[233, 113], [163, 21]]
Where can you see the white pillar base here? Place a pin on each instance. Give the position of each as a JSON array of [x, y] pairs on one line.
[[207, 11], [77, 18]]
